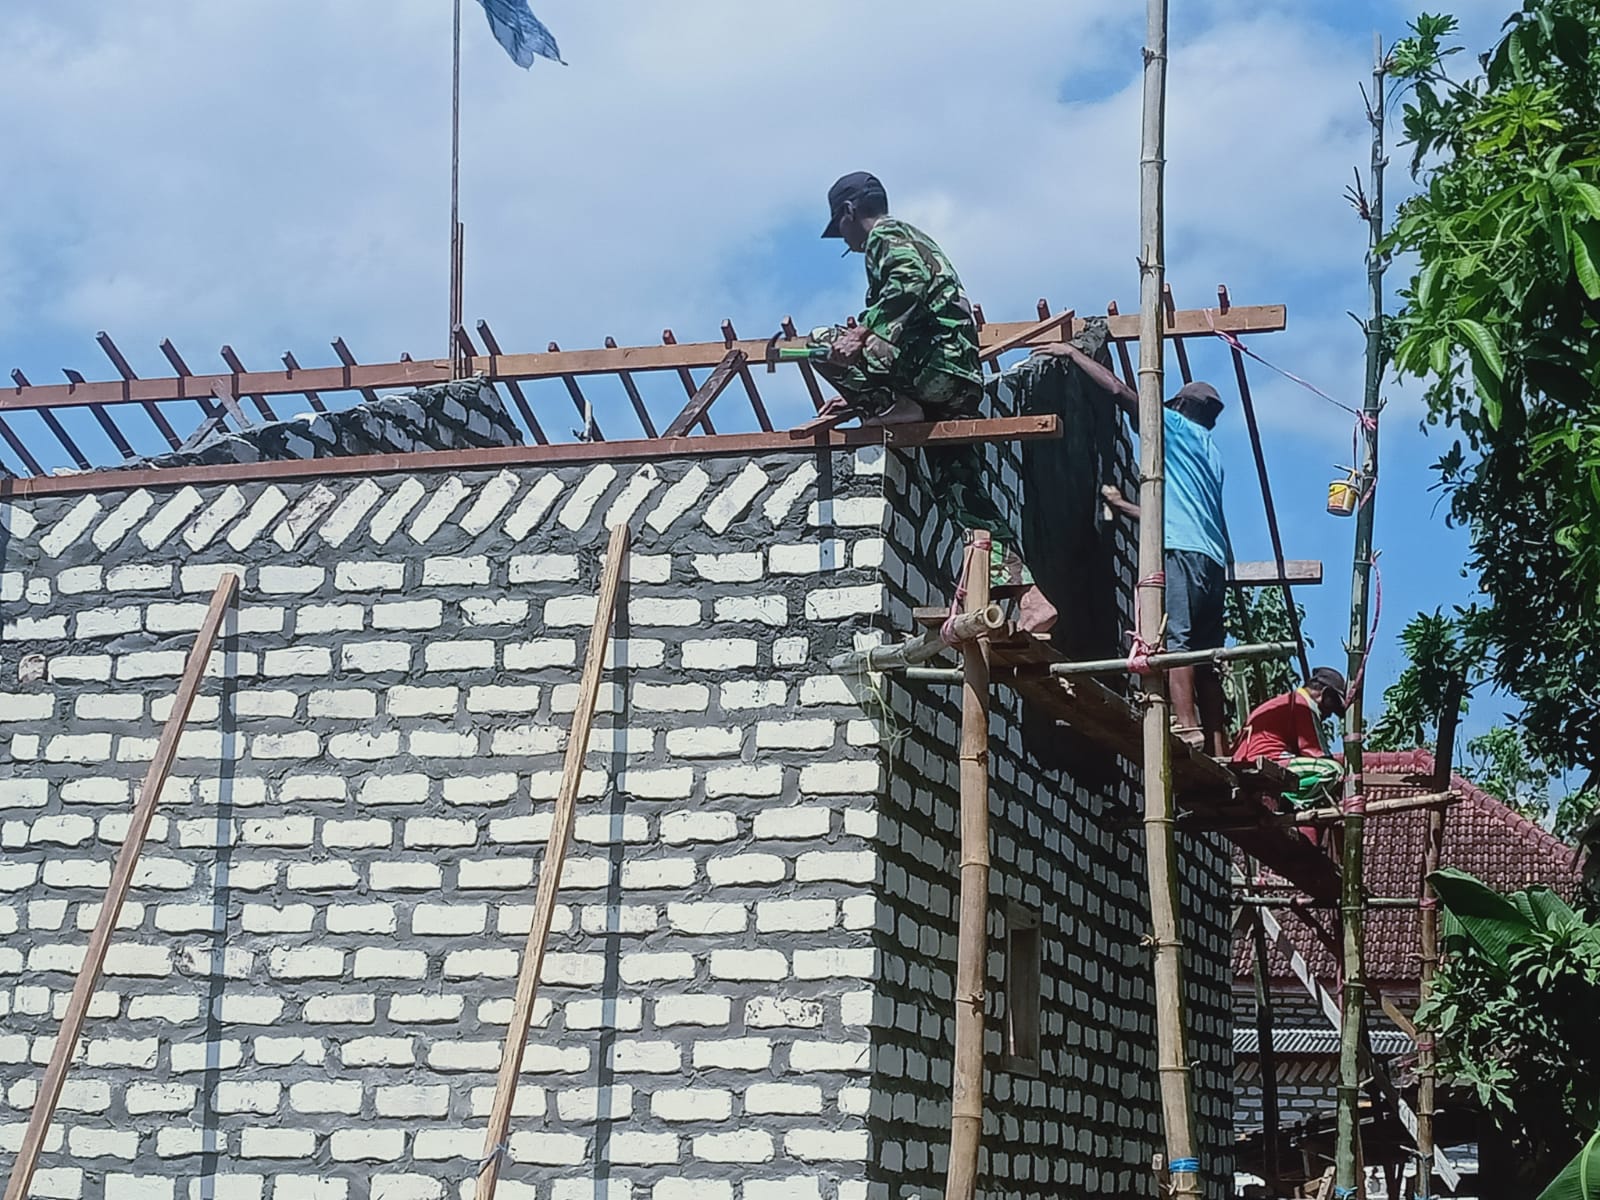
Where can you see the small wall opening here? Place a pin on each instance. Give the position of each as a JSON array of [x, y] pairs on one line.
[[1023, 969]]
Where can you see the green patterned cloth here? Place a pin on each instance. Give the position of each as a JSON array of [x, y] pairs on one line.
[[1320, 780]]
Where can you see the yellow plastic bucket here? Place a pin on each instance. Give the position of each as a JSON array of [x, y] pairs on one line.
[[1342, 497]]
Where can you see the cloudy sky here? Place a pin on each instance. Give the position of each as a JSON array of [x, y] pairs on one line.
[[274, 173]]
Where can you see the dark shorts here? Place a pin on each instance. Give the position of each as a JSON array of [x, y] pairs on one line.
[[1196, 584]]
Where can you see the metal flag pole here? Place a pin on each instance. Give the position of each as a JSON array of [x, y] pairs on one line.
[[455, 187]]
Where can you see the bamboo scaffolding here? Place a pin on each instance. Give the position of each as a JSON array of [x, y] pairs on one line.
[[1269, 1067], [55, 1072], [555, 857], [1347, 1154], [1177, 1087], [921, 649], [972, 952], [1428, 936]]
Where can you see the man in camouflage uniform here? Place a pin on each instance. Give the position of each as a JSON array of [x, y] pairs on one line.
[[913, 356]]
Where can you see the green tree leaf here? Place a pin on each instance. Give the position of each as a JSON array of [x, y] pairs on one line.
[[1586, 259], [1493, 924], [1482, 342]]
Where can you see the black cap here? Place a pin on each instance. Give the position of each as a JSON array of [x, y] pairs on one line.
[[1200, 392], [1332, 685], [856, 188]]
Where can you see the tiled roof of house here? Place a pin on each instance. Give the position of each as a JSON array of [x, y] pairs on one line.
[[1481, 835]]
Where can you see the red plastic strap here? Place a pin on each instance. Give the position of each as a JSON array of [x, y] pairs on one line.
[[1428, 902], [1355, 805]]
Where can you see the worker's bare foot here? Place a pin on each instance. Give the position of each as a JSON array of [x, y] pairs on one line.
[[905, 411], [1035, 614]]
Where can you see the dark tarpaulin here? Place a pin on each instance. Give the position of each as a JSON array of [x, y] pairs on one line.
[[1070, 547]]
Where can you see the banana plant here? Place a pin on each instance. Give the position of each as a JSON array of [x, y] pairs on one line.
[[1514, 1018], [1580, 1178]]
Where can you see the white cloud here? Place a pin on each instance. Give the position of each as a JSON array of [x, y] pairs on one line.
[[263, 173]]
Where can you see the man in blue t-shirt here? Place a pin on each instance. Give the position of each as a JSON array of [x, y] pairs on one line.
[[1197, 557]]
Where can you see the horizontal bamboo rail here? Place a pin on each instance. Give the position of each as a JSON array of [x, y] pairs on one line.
[[926, 645]]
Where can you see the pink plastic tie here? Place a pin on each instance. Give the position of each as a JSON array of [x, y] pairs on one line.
[[980, 542], [1141, 650]]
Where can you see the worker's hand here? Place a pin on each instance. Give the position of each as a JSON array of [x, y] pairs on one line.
[[1059, 350], [1112, 494], [847, 347]]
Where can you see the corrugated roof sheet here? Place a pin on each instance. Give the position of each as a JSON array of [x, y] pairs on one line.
[[1386, 1043], [1481, 835]]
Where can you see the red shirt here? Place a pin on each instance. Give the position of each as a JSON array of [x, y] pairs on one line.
[[1284, 727]]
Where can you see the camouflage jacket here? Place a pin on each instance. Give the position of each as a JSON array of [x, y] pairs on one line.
[[919, 316]]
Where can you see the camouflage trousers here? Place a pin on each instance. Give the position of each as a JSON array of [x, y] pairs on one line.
[[955, 473]]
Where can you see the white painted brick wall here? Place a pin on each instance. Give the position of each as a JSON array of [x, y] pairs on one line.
[[393, 747]]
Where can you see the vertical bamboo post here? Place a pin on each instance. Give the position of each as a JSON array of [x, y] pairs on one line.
[[1347, 1180], [1428, 932], [972, 947], [94, 958], [1269, 1065], [1177, 1091]]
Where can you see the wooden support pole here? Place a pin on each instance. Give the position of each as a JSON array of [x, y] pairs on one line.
[[972, 947], [1428, 934], [1177, 1090], [1347, 1152], [55, 1073], [1269, 1063], [555, 857]]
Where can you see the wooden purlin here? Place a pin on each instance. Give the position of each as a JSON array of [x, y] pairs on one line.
[[1023, 428], [1238, 319]]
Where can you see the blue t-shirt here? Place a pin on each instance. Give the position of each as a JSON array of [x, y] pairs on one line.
[[1194, 490]]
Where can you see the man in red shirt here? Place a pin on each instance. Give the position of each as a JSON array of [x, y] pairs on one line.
[[1288, 730]]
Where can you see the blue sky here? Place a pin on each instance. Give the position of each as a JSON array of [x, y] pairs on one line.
[[275, 175]]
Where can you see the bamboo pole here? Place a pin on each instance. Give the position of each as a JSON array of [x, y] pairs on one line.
[[1269, 1065], [905, 656], [94, 959], [1177, 1086], [555, 857], [1347, 1149], [1179, 658], [972, 947], [1428, 935]]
